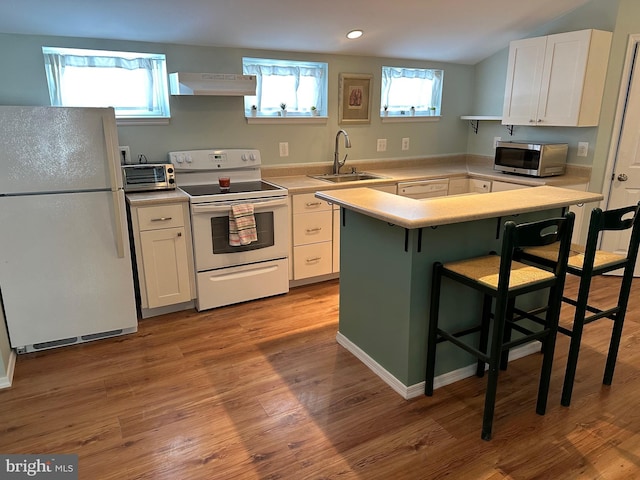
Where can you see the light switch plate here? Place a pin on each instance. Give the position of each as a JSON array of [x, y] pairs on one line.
[[284, 149], [583, 149]]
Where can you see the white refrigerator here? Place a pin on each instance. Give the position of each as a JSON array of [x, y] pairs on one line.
[[65, 263]]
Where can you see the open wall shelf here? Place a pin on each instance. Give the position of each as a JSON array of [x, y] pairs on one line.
[[474, 121]]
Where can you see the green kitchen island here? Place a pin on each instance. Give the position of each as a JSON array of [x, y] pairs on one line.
[[388, 245]]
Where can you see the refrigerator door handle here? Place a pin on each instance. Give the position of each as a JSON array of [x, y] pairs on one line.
[[111, 145], [120, 230]]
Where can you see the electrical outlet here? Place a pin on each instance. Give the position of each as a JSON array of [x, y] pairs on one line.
[[382, 145], [405, 143], [125, 155], [583, 149], [284, 149], [495, 141]]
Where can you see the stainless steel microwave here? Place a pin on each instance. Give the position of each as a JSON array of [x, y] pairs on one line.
[[529, 158], [148, 177]]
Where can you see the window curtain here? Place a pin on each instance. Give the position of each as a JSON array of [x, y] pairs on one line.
[[389, 73], [296, 72], [55, 63]]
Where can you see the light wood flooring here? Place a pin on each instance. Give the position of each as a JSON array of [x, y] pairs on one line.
[[262, 390]]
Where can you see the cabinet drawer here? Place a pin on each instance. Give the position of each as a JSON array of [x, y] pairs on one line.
[[307, 202], [312, 227], [162, 216], [312, 260]]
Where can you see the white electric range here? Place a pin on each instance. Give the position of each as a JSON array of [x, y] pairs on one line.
[[227, 274]]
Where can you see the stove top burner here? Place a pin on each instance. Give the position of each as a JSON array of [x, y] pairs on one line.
[[237, 187]]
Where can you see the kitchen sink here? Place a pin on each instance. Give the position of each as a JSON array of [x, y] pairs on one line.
[[346, 177]]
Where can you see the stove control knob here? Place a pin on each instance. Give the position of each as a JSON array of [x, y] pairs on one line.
[[179, 158], [252, 157], [244, 157], [188, 158]]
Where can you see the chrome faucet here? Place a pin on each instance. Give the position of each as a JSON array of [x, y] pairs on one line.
[[336, 156]]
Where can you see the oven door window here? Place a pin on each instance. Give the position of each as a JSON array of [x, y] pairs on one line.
[[220, 234]]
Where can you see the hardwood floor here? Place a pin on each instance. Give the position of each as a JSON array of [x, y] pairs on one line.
[[262, 391]]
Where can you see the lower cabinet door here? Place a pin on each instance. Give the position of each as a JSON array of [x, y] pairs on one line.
[[166, 267], [312, 260]]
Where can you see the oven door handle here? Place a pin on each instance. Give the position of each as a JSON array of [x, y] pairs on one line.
[[227, 206]]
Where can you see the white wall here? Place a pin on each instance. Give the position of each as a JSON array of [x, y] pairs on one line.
[[490, 75], [218, 122]]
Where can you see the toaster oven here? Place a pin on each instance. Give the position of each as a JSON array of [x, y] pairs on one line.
[[148, 177]]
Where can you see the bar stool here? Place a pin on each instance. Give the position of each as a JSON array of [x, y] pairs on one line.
[[503, 278], [587, 262]]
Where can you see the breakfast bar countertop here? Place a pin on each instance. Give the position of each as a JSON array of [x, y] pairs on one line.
[[410, 213]]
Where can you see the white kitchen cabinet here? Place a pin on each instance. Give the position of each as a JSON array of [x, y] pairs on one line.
[[497, 186], [164, 257], [312, 228], [386, 188], [557, 80], [479, 186], [458, 185], [579, 211]]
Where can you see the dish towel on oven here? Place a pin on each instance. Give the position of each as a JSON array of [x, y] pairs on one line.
[[242, 225]]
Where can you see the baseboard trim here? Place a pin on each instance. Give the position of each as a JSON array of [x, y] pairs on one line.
[[178, 307], [7, 380], [416, 390]]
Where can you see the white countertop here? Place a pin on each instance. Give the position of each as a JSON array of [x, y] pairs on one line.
[[136, 199], [411, 213], [305, 184]]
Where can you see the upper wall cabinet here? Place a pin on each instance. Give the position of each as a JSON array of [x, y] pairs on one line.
[[556, 80]]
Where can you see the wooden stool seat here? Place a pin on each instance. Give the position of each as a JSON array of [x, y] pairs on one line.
[[486, 270], [602, 258]]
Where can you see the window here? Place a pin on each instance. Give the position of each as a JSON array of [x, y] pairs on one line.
[[300, 86], [135, 84], [411, 91]]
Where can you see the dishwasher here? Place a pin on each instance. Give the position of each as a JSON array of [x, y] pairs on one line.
[[436, 187]]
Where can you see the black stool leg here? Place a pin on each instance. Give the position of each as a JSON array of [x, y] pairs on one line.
[[548, 348], [616, 334], [504, 360], [494, 364], [432, 334], [484, 333], [576, 338]]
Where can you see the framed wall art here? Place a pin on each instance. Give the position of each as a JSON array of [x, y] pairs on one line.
[[355, 98]]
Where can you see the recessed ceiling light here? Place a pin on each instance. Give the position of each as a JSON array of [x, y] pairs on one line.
[[354, 34]]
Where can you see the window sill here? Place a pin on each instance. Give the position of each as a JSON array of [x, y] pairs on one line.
[[142, 121], [406, 118], [283, 120]]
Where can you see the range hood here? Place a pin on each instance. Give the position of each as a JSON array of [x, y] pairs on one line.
[[211, 84]]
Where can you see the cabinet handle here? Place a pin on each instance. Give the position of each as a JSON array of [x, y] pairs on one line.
[[313, 230], [313, 204], [162, 219], [313, 259], [179, 234]]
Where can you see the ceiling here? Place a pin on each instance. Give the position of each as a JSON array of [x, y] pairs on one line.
[[458, 31]]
